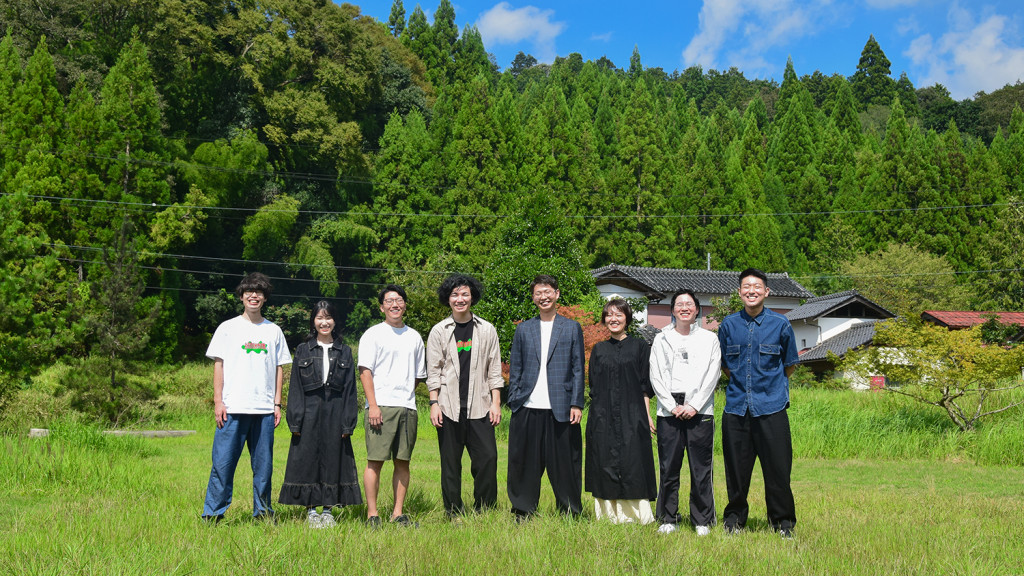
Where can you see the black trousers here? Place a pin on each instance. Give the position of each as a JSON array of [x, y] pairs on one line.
[[766, 438], [696, 437], [536, 441], [476, 436]]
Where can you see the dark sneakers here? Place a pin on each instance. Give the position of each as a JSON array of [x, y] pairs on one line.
[[373, 522], [404, 520]]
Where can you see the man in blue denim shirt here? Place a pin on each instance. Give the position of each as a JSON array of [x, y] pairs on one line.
[[758, 355]]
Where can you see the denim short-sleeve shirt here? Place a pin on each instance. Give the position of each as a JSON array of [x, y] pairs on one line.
[[757, 351]]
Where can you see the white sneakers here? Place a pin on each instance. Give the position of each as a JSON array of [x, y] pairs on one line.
[[666, 529], [670, 528]]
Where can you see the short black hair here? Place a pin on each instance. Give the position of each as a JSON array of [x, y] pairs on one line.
[[672, 303], [620, 305], [755, 273], [254, 282], [331, 311], [543, 279], [454, 281], [391, 288]]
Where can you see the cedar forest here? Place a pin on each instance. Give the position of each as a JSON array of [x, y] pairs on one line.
[[153, 152]]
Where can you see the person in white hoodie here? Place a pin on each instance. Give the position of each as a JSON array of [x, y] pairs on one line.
[[685, 365]]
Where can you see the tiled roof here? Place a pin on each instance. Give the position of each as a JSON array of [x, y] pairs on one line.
[[668, 280], [966, 319], [822, 305], [857, 335]]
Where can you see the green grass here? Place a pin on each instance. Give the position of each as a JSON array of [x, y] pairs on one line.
[[882, 486]]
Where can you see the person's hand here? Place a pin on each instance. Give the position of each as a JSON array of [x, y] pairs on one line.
[[277, 416], [688, 412], [650, 423], [678, 411], [435, 415], [375, 416], [575, 415], [495, 414], [220, 413]]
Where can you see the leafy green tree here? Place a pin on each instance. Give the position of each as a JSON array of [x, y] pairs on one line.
[[871, 83], [908, 95], [396, 20], [954, 370], [268, 232], [532, 242], [906, 280]]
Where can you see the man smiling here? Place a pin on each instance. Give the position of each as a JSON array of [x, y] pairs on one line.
[[758, 355], [545, 394], [390, 363]]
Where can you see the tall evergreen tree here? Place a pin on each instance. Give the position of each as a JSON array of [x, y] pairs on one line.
[[396, 20], [871, 83]]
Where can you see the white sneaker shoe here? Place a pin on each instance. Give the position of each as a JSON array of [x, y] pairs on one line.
[[703, 530], [327, 520], [313, 519], [666, 529]]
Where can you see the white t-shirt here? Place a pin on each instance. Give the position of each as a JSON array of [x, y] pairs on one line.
[[251, 355], [540, 398], [395, 357]]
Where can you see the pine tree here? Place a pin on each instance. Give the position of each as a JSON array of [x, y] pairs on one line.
[[871, 83], [907, 95], [396, 21]]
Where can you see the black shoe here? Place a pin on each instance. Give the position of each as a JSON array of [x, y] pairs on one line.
[[267, 517], [733, 529], [373, 522], [213, 519], [786, 533], [404, 520]]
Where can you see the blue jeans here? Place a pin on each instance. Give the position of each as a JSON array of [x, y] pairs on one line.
[[256, 430]]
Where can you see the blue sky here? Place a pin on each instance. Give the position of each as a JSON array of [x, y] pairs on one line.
[[965, 45]]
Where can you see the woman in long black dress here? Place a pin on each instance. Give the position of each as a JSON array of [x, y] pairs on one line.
[[619, 459], [322, 414]]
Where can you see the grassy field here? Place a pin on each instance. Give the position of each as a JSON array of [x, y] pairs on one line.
[[882, 487]]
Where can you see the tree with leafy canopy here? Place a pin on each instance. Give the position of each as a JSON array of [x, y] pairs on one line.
[[396, 20], [906, 280], [872, 83], [532, 242], [955, 370]]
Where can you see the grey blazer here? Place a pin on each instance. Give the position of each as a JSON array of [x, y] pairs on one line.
[[565, 365]]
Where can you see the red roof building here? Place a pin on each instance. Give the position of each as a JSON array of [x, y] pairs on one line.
[[961, 319]]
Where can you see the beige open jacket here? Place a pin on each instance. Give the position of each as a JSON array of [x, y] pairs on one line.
[[443, 368]]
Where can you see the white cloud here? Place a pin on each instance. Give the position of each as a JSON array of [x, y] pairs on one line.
[[971, 56], [506, 25], [606, 37], [739, 32]]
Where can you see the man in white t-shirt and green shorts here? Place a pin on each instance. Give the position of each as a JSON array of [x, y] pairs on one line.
[[391, 361], [248, 353]]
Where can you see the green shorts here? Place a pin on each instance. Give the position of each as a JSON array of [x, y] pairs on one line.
[[395, 438]]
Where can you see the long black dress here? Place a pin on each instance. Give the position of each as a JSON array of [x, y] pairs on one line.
[[321, 468], [619, 457]]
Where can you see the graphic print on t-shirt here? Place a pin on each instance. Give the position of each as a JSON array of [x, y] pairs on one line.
[[464, 345], [256, 347]]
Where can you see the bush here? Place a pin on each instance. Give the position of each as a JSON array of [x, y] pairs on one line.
[[113, 394]]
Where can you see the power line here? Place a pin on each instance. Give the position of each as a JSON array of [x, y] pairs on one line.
[[568, 216]]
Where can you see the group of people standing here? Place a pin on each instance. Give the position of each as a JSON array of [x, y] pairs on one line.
[[461, 365]]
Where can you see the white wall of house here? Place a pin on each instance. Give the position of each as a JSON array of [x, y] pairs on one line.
[[609, 291]]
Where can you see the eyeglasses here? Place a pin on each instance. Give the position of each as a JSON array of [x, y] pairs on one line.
[[390, 301], [248, 293], [545, 292], [754, 287]]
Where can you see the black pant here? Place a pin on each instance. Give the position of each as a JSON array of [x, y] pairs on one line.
[[537, 441], [766, 438], [695, 436], [476, 436]]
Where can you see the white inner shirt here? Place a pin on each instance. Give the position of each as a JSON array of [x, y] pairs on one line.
[[540, 399]]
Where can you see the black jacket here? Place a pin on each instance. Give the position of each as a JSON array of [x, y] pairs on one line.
[[307, 377]]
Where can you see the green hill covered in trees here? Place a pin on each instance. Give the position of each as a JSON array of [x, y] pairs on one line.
[[154, 151]]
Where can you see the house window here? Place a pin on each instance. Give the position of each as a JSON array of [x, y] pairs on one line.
[[803, 342]]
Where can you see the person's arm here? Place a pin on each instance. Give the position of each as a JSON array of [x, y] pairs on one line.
[[296, 401], [579, 361], [436, 357], [373, 414], [220, 412], [707, 385], [650, 421], [278, 388], [661, 371], [723, 341]]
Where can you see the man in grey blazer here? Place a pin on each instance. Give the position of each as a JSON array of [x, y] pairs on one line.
[[545, 394]]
